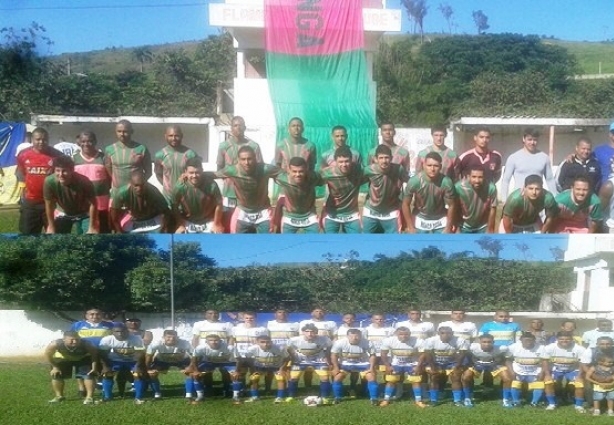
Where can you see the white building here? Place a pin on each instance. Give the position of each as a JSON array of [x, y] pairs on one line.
[[592, 258], [244, 19]]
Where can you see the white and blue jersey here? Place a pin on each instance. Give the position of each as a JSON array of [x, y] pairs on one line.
[[122, 354], [164, 356], [565, 362]]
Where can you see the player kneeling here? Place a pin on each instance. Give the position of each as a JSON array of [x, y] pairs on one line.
[[485, 357], [402, 358]]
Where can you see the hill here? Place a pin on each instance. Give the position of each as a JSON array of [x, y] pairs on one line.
[[114, 60]]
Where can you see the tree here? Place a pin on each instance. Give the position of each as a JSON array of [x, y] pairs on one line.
[[480, 21], [490, 245], [416, 12], [447, 12], [193, 275], [141, 55]]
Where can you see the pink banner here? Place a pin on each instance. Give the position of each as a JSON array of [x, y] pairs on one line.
[[313, 27]]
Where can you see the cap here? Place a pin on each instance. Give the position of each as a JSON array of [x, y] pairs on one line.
[[612, 127], [309, 327]]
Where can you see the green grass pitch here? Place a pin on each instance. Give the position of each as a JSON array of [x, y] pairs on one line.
[[25, 391]]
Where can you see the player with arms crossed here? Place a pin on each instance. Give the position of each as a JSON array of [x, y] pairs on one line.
[[171, 161], [125, 157], [461, 328], [89, 162], [449, 164], [433, 199], [339, 135], [400, 155], [228, 154]]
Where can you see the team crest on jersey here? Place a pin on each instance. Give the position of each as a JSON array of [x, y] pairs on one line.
[[492, 167], [591, 169]]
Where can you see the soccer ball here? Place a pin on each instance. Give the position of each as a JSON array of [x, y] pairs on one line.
[[312, 401]]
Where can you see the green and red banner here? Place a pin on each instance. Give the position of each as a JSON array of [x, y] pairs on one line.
[[317, 70]]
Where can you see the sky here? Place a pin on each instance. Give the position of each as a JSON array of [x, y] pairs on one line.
[[84, 25], [243, 250]]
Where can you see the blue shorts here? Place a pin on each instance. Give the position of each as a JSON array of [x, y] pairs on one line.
[[355, 367], [569, 376], [486, 367], [210, 367], [307, 366], [444, 367], [407, 368], [123, 366], [526, 378], [164, 366], [265, 369], [600, 395]]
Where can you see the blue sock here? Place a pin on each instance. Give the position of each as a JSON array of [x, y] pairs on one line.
[[507, 393], [551, 398], [236, 388], [280, 392], [579, 401], [434, 395], [373, 387], [516, 394], [253, 392], [155, 386], [107, 388], [292, 388], [537, 396], [388, 392], [197, 385], [468, 393], [337, 389], [457, 395], [139, 389], [325, 388], [418, 393]]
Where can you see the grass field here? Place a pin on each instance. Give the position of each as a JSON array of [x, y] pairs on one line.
[[25, 391], [9, 218]]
